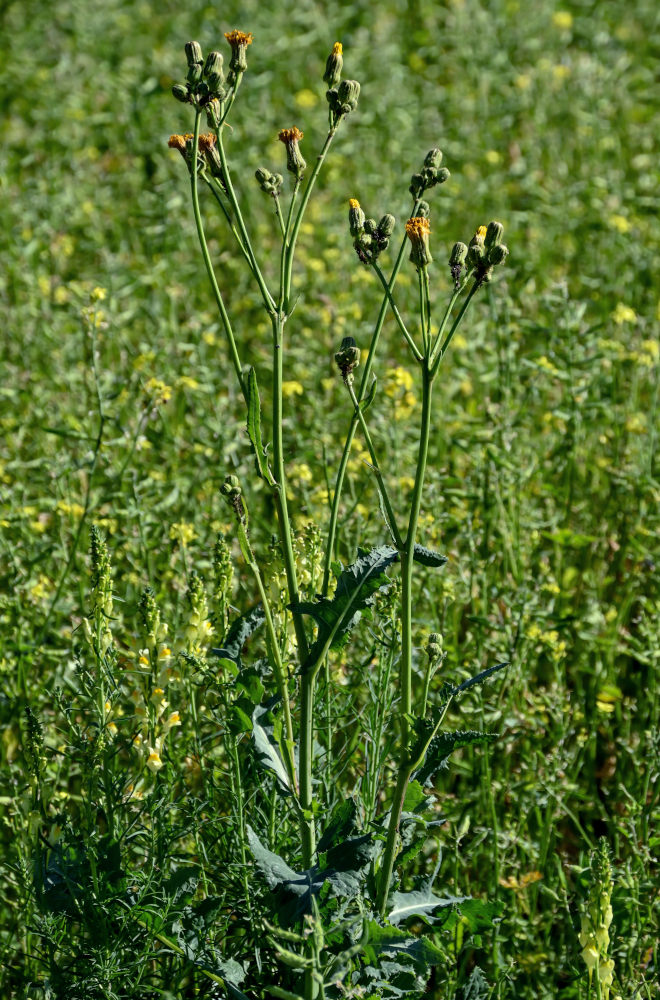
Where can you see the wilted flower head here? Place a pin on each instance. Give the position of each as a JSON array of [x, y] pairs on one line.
[[294, 159], [239, 41], [418, 230]]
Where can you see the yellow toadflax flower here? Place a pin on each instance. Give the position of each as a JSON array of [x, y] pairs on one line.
[[154, 762]]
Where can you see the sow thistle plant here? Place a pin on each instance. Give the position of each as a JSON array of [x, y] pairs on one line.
[[317, 893]]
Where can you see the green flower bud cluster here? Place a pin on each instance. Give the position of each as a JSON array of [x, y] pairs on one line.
[[232, 493], [430, 174], [199, 627], [343, 99], [34, 744], [434, 647], [206, 84], [347, 358], [101, 572], [268, 182], [486, 251], [205, 81], [370, 238], [223, 575], [596, 921], [149, 615]]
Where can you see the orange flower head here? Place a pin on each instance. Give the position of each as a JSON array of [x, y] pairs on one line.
[[290, 135], [177, 142], [239, 41], [417, 230], [236, 37]]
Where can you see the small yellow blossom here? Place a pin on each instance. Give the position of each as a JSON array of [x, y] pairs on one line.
[[157, 392], [636, 423], [306, 99], [523, 81], [623, 314], [620, 223], [292, 388], [183, 532], [98, 294], [493, 157], [562, 19], [174, 719], [154, 762]]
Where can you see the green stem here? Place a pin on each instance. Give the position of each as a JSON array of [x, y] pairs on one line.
[[306, 759], [291, 247], [269, 302], [364, 388], [233, 350], [273, 644], [392, 837], [374, 462], [437, 358], [405, 673], [402, 326]]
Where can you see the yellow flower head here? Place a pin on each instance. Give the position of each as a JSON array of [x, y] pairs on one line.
[[337, 49], [354, 203], [481, 232], [154, 762], [239, 42], [177, 142], [417, 231]]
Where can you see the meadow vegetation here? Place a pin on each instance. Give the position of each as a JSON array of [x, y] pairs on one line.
[[157, 808]]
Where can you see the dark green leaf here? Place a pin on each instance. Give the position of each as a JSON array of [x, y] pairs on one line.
[[238, 634], [356, 589], [266, 744], [444, 744], [427, 557]]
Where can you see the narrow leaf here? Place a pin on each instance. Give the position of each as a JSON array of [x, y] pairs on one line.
[[254, 428], [369, 398], [481, 677]]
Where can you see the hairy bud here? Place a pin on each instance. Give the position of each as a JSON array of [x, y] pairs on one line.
[[334, 65]]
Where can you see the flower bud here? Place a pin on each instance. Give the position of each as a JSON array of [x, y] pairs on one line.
[[441, 176], [355, 217], [386, 226], [347, 358], [347, 92], [418, 231], [268, 182], [334, 65], [194, 53], [239, 42], [370, 226], [458, 254], [424, 210], [181, 93], [213, 113], [433, 158], [476, 255], [493, 234], [457, 258], [213, 65], [416, 185], [295, 163], [434, 646], [231, 491], [498, 254]]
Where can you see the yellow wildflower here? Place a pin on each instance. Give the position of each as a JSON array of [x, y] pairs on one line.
[[154, 762], [623, 314], [562, 19], [292, 388]]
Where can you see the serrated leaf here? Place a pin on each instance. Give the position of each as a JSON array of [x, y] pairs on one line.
[[478, 915], [341, 823], [428, 557], [266, 745], [357, 587], [420, 903], [238, 634], [444, 744], [480, 677], [254, 428], [415, 795], [476, 987], [421, 952]]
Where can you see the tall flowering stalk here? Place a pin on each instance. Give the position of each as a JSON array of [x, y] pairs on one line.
[[212, 96]]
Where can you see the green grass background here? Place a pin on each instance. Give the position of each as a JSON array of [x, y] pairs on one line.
[[543, 487]]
